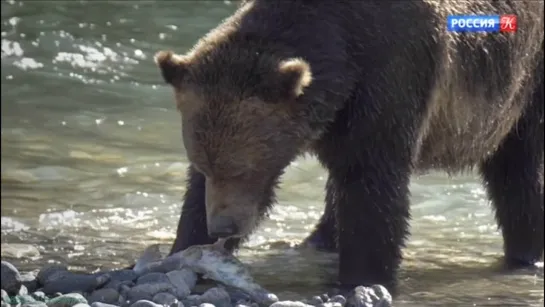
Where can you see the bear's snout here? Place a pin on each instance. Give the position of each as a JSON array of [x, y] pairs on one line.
[[222, 226]]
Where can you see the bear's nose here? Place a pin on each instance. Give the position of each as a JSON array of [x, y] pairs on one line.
[[222, 227]]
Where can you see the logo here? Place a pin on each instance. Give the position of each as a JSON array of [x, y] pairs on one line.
[[490, 23], [508, 23]]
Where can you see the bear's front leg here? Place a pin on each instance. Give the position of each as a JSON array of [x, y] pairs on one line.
[[369, 163], [372, 215]]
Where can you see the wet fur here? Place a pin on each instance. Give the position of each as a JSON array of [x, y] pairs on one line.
[[392, 94]]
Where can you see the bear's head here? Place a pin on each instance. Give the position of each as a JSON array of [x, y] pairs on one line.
[[243, 122]]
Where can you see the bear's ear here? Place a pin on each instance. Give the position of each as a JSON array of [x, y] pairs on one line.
[[296, 76], [173, 66]]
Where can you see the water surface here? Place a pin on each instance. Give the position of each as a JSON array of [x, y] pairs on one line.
[[93, 164]]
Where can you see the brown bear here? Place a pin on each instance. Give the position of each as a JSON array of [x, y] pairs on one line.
[[378, 91]]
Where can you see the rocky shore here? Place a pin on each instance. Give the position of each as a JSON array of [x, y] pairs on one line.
[[56, 286]]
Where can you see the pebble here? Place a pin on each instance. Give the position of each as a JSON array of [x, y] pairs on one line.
[[67, 282], [289, 304], [187, 276], [49, 271], [11, 279], [178, 280], [147, 291], [192, 300], [81, 305], [5, 296], [29, 281], [39, 296], [67, 300], [206, 305], [338, 299], [165, 299], [99, 304], [367, 297], [152, 278], [145, 303], [314, 301], [104, 295], [216, 296]]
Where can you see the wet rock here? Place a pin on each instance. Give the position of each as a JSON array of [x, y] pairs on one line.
[[147, 291], [104, 295], [324, 297], [39, 296], [67, 300], [35, 304], [238, 296], [145, 303], [27, 299], [330, 304], [99, 304], [5, 296], [49, 271], [206, 305], [118, 284], [187, 276], [29, 281], [11, 278], [165, 299], [178, 280], [314, 301], [152, 278], [23, 290], [216, 296], [289, 304], [366, 296], [338, 299], [382, 293], [123, 275], [73, 282], [192, 300]]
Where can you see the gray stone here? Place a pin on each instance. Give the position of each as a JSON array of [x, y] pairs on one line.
[[152, 278], [382, 293], [189, 277], [338, 299], [68, 282], [29, 281], [147, 291], [164, 298], [117, 284], [5, 296], [67, 300], [314, 301], [104, 295], [99, 304], [39, 296], [81, 305], [290, 304], [48, 271], [145, 303], [11, 278], [178, 280], [216, 296], [192, 300], [206, 305], [34, 304]]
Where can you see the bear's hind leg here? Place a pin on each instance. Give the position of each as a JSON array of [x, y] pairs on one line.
[[512, 178]]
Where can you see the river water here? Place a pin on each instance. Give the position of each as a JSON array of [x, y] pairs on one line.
[[93, 164]]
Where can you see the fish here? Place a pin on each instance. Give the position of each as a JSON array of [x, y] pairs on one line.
[[214, 262]]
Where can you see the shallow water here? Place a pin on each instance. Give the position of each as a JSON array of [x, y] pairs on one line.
[[93, 166]]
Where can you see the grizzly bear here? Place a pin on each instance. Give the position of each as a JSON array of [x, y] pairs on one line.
[[378, 91]]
